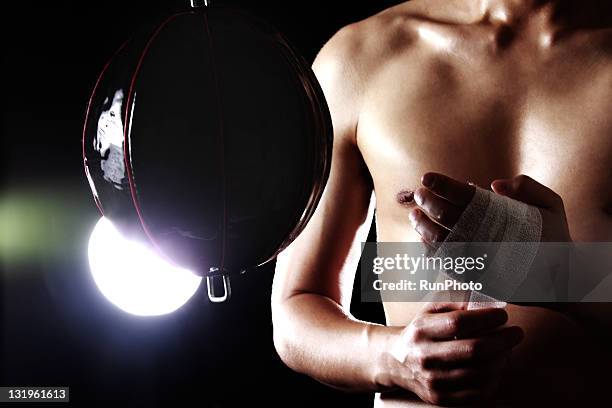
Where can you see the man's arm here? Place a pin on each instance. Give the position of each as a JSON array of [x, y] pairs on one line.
[[313, 330]]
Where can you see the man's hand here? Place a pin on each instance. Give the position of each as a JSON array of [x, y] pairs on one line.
[[524, 188], [449, 355], [441, 201]]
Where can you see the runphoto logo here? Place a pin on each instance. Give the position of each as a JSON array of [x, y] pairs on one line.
[[413, 264]]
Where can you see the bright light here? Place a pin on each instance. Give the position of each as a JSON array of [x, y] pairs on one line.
[[135, 278]]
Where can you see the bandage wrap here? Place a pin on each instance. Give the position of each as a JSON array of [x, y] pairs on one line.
[[491, 217]]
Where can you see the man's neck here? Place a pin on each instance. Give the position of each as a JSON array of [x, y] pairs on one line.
[[511, 12], [548, 14]]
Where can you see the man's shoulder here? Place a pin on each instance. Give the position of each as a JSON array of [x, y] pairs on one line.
[[370, 42], [359, 55], [357, 51]]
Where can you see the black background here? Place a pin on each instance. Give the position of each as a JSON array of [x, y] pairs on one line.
[[56, 328]]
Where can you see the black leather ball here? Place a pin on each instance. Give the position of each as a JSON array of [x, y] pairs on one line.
[[208, 137]]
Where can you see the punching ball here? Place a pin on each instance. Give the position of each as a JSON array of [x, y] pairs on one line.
[[208, 139]]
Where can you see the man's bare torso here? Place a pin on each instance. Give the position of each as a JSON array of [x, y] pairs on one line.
[[479, 101]]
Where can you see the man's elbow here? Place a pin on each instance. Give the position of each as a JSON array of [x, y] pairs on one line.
[[284, 337], [282, 344]]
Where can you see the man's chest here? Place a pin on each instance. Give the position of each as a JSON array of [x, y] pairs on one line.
[[482, 128]]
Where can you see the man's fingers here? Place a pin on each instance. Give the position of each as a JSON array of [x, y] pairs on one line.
[[476, 349], [524, 188], [459, 323], [461, 397], [442, 307], [475, 375], [437, 208], [480, 396], [429, 231], [454, 191]]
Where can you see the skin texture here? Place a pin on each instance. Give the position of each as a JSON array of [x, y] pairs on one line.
[[478, 91]]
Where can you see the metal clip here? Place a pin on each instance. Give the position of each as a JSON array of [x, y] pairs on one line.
[[200, 3], [210, 282]]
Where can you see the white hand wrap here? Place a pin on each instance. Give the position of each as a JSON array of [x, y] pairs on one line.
[[491, 217]]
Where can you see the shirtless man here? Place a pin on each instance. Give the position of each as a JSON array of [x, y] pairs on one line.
[[477, 90]]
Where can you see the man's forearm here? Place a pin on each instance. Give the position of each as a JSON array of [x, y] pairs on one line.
[[315, 336]]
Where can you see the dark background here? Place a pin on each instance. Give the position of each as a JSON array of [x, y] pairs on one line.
[[56, 328]]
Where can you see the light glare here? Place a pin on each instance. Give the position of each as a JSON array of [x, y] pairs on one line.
[[134, 277]]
